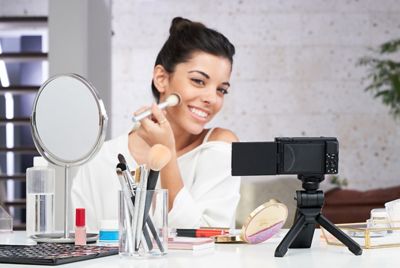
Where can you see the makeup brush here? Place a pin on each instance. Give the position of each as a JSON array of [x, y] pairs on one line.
[[128, 179], [128, 175], [159, 156], [128, 209], [141, 193], [172, 100]]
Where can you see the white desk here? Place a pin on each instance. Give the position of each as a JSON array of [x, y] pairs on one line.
[[319, 255]]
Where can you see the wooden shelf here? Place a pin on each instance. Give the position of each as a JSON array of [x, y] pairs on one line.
[[19, 227], [19, 89], [18, 176], [16, 120], [21, 19], [23, 56], [17, 25], [26, 150], [15, 203]]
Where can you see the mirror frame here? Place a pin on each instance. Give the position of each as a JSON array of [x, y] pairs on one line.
[[40, 145]]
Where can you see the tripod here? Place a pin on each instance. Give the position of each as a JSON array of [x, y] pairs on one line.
[[308, 214]]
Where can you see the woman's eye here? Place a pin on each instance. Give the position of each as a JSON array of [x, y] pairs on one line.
[[198, 81], [223, 91]]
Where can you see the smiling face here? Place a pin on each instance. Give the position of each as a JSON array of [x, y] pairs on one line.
[[202, 82]]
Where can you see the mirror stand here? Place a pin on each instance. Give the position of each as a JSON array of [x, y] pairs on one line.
[[54, 129], [66, 201]]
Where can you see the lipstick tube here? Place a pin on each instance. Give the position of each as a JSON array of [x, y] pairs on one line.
[[201, 232], [80, 228]]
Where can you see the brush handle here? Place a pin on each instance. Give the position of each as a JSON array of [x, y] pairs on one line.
[[151, 185], [140, 203], [154, 233], [129, 180], [148, 112], [152, 180]]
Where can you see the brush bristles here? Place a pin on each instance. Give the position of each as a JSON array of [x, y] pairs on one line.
[[159, 156], [137, 175], [121, 158], [173, 99], [121, 166]]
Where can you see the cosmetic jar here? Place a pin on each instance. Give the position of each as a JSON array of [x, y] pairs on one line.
[[393, 211], [108, 233], [378, 219]]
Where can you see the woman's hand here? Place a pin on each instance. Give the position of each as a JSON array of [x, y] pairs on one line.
[[156, 129]]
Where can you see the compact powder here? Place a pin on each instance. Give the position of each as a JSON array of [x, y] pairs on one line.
[[228, 239], [263, 223]]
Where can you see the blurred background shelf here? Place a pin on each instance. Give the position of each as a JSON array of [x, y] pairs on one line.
[[23, 68]]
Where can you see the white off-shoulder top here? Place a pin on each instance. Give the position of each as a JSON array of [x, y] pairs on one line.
[[208, 199]]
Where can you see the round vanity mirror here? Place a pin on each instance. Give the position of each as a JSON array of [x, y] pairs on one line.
[[68, 120], [68, 128]]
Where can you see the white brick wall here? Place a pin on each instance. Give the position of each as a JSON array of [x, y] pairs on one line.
[[294, 72]]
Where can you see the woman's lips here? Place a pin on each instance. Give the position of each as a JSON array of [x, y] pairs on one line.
[[198, 113]]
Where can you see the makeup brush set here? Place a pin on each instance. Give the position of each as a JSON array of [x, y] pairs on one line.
[[138, 192]]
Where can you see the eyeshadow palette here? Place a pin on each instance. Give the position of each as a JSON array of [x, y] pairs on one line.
[[52, 253]]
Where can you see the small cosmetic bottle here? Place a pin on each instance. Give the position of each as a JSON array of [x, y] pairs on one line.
[[80, 229]]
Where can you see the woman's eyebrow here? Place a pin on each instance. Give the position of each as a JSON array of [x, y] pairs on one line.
[[207, 76], [200, 72]]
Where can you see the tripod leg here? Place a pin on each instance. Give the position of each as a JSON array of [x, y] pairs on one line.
[[290, 236], [304, 238], [339, 234]]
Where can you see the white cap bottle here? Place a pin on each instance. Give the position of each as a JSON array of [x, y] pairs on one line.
[[40, 188]]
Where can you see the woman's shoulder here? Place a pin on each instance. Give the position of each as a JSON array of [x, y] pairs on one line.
[[222, 134], [218, 140]]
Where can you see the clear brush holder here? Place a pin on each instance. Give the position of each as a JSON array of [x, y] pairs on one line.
[[143, 224]]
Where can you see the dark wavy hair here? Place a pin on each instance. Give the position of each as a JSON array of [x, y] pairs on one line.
[[187, 37]]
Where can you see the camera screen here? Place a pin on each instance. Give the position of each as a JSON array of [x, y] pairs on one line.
[[303, 155], [254, 158], [299, 158]]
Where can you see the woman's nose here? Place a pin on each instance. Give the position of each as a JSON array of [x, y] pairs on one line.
[[209, 96]]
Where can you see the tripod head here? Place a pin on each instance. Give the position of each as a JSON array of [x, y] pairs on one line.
[[311, 181]]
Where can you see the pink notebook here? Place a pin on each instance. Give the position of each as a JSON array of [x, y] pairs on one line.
[[190, 243]]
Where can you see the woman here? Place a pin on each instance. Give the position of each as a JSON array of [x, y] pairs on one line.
[[196, 63]]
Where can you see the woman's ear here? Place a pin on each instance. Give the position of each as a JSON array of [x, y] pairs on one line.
[[160, 78]]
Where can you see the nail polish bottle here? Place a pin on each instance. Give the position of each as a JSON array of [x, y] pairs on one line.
[[80, 229]]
